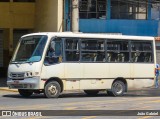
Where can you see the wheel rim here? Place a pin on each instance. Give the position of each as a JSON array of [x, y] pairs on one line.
[[52, 89], [118, 88]]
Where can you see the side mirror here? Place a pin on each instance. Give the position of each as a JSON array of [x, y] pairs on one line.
[[52, 46]]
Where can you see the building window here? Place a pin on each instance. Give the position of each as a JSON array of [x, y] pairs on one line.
[[92, 9], [128, 9]]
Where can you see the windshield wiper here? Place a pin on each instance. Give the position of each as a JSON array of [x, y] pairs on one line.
[[31, 62], [21, 62], [14, 62]]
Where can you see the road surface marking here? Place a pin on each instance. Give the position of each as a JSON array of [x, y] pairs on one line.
[[70, 108], [140, 108], [104, 101], [96, 102], [37, 117], [89, 117], [146, 117], [27, 107], [156, 101]]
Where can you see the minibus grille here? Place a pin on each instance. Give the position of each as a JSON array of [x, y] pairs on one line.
[[23, 86], [17, 75], [17, 86]]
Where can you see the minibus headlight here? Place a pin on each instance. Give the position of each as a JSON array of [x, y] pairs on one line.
[[31, 74], [28, 74]]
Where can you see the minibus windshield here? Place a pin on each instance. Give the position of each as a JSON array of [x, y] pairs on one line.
[[30, 49]]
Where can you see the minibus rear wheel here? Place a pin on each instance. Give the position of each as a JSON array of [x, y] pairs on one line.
[[52, 89], [118, 88], [25, 92]]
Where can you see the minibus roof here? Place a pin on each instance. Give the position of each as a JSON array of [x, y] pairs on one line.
[[91, 35]]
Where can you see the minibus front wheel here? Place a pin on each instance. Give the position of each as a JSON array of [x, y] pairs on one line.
[[52, 89]]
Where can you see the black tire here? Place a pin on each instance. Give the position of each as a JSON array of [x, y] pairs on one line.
[[109, 92], [52, 89], [118, 89], [25, 92], [91, 92]]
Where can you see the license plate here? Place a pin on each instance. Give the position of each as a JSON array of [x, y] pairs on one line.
[[16, 82]]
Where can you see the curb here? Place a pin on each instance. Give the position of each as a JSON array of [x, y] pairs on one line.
[[7, 89]]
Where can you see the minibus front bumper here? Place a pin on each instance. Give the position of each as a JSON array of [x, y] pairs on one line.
[[26, 83]]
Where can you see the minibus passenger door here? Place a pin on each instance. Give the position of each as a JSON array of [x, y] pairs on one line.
[[52, 64]]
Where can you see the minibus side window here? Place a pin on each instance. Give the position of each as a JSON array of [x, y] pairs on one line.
[[72, 50], [117, 50], [141, 51]]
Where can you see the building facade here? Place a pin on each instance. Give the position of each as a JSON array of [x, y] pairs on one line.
[[19, 17], [127, 17]]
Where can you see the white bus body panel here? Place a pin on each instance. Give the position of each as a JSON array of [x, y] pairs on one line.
[[73, 70], [140, 70], [81, 76]]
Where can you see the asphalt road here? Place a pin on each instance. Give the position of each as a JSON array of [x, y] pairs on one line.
[[148, 99]]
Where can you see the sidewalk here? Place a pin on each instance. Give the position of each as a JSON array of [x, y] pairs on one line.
[[7, 89]]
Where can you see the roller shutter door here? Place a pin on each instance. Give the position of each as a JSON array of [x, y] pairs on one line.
[[1, 50], [158, 52]]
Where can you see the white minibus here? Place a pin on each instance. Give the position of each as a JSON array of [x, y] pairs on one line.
[[51, 63]]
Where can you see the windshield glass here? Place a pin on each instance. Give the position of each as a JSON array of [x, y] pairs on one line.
[[30, 49]]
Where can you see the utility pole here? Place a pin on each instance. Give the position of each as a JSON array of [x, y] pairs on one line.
[[75, 16]]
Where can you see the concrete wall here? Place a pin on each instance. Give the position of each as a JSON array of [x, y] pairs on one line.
[[17, 15], [49, 15], [14, 15], [42, 15]]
